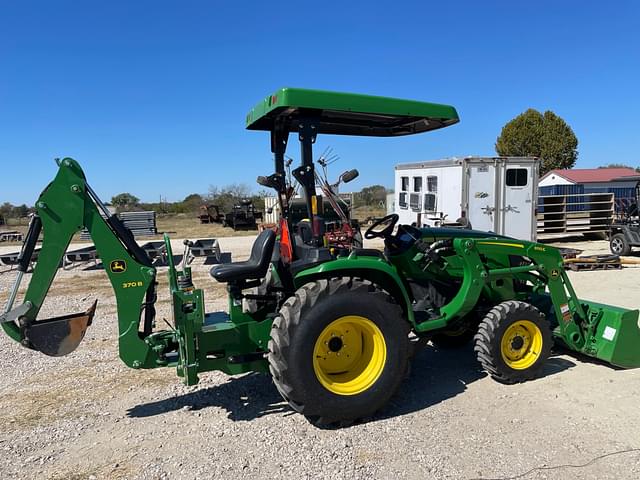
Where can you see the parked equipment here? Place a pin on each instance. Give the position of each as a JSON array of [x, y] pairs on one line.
[[156, 251], [243, 216], [624, 233], [11, 259], [208, 248], [333, 330], [10, 236], [140, 224], [80, 255], [211, 214], [492, 194]]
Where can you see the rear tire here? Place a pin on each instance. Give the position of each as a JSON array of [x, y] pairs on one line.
[[513, 342], [619, 245], [338, 350]]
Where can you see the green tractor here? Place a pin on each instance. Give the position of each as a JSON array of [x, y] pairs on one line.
[[335, 329]]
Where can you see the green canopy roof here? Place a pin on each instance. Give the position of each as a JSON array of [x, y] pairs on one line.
[[349, 113]]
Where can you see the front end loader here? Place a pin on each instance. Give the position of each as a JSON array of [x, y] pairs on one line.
[[334, 328]]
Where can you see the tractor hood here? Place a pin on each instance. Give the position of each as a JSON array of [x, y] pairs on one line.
[[349, 113]]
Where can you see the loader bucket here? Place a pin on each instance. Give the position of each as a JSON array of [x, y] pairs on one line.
[[60, 335], [614, 334]]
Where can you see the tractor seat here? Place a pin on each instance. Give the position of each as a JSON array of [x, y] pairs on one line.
[[254, 268]]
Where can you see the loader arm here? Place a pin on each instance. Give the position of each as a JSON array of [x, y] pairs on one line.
[[66, 206], [605, 332]]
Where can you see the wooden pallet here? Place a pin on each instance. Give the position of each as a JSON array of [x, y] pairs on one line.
[[594, 262]]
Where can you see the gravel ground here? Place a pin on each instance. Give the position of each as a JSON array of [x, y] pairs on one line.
[[87, 416]]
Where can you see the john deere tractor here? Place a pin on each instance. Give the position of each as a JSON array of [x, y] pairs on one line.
[[335, 330]]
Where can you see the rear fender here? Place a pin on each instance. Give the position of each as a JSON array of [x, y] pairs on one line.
[[374, 269]]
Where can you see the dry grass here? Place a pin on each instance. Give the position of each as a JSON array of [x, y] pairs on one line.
[[361, 213], [185, 226], [178, 226]]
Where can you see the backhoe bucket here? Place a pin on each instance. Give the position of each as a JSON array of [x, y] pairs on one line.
[[612, 334], [60, 335]]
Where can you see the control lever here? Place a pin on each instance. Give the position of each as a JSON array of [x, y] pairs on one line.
[[187, 251], [432, 254]]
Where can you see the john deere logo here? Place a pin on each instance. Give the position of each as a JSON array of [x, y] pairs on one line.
[[555, 273], [118, 266]]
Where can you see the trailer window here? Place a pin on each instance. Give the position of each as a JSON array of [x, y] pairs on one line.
[[417, 184], [432, 184], [402, 200], [430, 202], [414, 201], [516, 177], [404, 183]]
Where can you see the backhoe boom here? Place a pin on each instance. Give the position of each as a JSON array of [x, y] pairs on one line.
[[66, 206]]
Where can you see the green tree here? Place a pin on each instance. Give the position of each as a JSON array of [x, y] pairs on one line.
[[372, 196], [6, 210], [21, 211], [619, 165], [546, 136], [125, 201], [192, 203], [228, 196]]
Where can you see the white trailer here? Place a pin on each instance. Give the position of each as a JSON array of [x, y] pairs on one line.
[[493, 194]]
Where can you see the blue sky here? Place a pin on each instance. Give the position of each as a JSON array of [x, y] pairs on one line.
[[150, 96]]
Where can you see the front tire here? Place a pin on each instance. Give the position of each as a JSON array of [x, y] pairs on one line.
[[513, 342], [338, 350]]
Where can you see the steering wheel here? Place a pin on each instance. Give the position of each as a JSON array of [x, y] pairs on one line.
[[382, 228]]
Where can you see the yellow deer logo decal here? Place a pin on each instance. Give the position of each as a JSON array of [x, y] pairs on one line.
[[118, 266]]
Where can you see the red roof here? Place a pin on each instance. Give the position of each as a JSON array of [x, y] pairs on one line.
[[592, 175]]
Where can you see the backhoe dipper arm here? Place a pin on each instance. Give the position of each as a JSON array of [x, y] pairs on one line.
[[66, 206]]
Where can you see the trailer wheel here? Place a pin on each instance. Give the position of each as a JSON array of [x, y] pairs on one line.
[[338, 350], [619, 245], [513, 342]]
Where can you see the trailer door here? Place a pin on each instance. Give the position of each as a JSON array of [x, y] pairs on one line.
[[480, 195], [518, 203]]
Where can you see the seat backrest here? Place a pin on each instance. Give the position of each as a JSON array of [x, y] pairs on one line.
[[305, 231], [263, 249]]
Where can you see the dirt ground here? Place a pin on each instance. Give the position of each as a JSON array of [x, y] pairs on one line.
[[87, 416]]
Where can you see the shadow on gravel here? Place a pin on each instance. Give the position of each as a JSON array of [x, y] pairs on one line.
[[436, 375], [245, 398], [440, 374]]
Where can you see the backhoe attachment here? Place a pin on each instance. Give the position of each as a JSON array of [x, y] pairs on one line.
[[66, 206], [233, 342]]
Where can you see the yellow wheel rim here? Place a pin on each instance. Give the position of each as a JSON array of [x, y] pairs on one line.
[[349, 355], [521, 344]]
